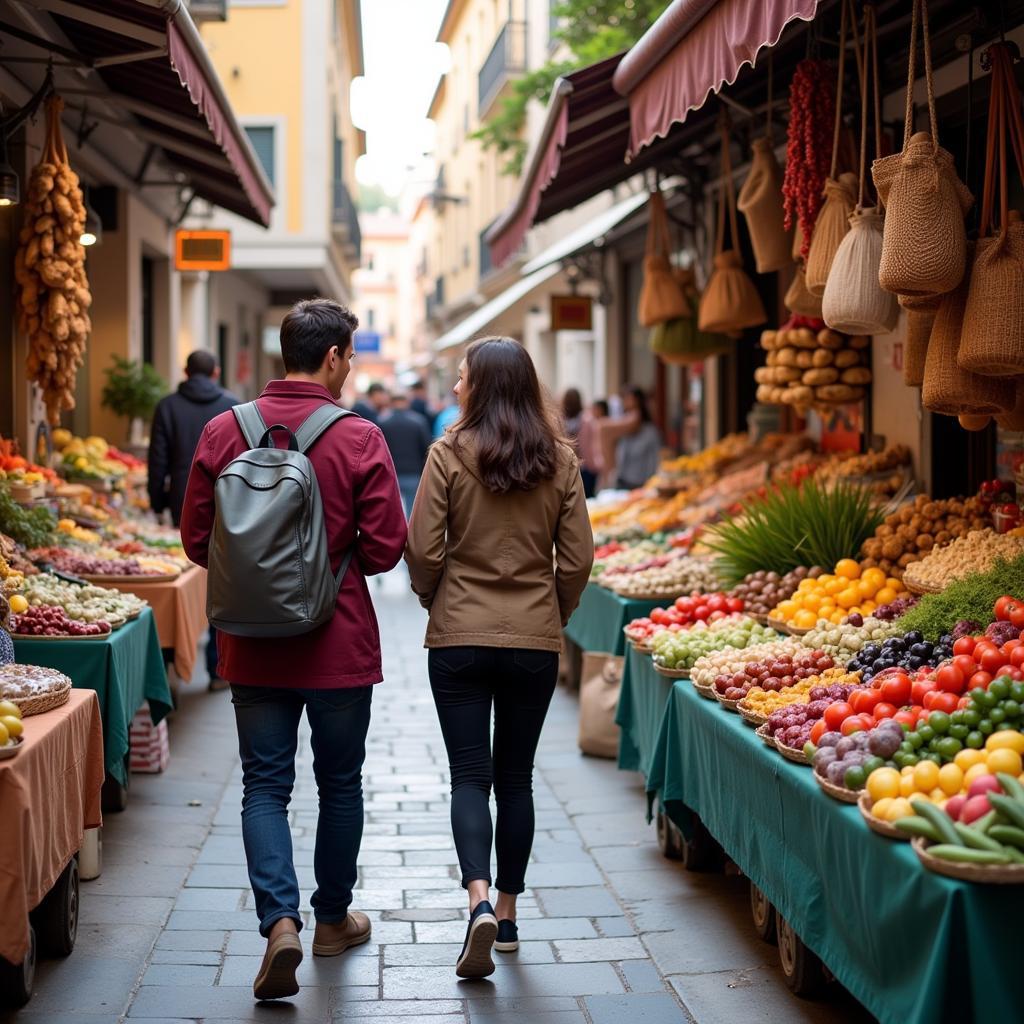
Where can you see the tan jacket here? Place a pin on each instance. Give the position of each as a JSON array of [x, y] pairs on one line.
[[482, 562]]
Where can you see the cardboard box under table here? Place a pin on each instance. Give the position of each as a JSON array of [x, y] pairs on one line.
[[50, 793]]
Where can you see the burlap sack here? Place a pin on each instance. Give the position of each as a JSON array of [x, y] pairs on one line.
[[660, 296], [854, 302], [993, 337], [1014, 419], [829, 230], [923, 244], [799, 300], [948, 389], [760, 200], [920, 316], [599, 701]]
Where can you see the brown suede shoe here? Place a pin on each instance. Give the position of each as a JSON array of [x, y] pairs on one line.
[[334, 939], [276, 979]]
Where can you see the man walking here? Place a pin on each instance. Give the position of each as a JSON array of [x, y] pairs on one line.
[[374, 405], [419, 402], [329, 671], [408, 438], [178, 423]]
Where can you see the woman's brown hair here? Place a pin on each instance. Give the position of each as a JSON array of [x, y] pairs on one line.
[[514, 430]]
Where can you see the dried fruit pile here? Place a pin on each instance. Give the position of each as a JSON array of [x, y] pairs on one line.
[[54, 297]]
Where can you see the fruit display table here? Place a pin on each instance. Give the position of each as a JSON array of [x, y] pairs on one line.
[[641, 711], [597, 623], [125, 669], [911, 945], [50, 793], [179, 608]]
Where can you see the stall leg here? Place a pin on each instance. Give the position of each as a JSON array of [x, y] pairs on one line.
[[701, 851], [114, 796], [16, 980], [90, 857], [56, 918], [762, 913], [801, 968], [670, 840]]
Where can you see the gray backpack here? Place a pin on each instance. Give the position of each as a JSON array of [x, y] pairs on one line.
[[269, 569]]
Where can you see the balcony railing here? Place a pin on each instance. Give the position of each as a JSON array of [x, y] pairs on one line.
[[345, 218], [208, 10], [435, 300], [507, 58]]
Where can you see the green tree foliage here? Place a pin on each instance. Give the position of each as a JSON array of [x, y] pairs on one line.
[[592, 30], [373, 198]]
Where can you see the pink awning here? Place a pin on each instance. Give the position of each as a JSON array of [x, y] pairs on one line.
[[692, 50]]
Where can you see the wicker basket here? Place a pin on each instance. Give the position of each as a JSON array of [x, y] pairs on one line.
[[920, 588], [840, 793], [992, 874], [749, 716], [792, 754], [672, 673], [778, 624], [706, 691], [53, 698], [726, 702], [883, 828], [767, 738], [638, 645]]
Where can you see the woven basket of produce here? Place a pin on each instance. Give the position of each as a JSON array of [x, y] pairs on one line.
[[33, 688], [766, 736], [841, 793], [778, 624], [991, 874], [792, 753], [749, 716], [729, 705], [707, 692], [672, 673], [879, 825], [916, 587]]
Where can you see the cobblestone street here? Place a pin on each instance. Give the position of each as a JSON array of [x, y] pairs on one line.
[[612, 932]]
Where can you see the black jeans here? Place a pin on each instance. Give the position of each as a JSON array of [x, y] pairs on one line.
[[466, 681]]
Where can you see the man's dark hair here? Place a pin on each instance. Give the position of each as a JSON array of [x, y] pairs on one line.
[[417, 385], [310, 329], [375, 388], [200, 364]]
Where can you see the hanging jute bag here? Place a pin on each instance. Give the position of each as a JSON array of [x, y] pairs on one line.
[[1014, 419], [924, 239], [948, 389], [660, 296], [799, 300], [993, 337], [681, 342], [854, 302], [730, 302], [920, 313]]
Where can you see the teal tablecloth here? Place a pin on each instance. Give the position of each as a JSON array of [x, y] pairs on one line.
[[912, 946], [597, 623], [640, 713], [125, 669]]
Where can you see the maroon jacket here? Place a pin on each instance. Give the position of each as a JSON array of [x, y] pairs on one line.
[[361, 505]]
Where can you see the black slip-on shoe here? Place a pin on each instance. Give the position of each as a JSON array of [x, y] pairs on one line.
[[508, 937], [475, 959]]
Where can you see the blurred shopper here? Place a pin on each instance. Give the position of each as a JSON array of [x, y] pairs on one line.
[[419, 402], [373, 406], [638, 450], [591, 459], [446, 417], [572, 416], [408, 438], [178, 423], [328, 672], [500, 496]]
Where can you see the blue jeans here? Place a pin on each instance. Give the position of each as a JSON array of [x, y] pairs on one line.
[[408, 485], [268, 722]]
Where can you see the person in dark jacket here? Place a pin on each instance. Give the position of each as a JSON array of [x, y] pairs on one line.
[[408, 438], [419, 402], [374, 405], [178, 423]]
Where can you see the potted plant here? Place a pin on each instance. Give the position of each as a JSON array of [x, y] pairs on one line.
[[132, 390]]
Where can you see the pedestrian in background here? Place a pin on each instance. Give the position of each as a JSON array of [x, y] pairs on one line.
[[572, 416], [329, 671], [638, 450], [591, 458], [178, 423], [408, 439], [500, 549], [446, 417], [374, 404], [419, 402]]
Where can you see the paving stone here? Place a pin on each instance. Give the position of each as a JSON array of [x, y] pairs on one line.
[[614, 927], [637, 1009], [535, 979], [313, 971], [100, 909], [122, 941], [639, 856], [563, 875], [179, 974], [543, 929], [586, 901], [86, 985], [230, 1001], [424, 914], [641, 976], [199, 958], [404, 1009], [211, 899], [424, 954], [589, 950], [211, 920], [192, 940]]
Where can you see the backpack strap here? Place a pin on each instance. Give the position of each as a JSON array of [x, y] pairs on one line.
[[250, 421], [319, 420]]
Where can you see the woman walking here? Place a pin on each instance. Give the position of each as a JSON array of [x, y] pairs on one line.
[[500, 549], [638, 451]]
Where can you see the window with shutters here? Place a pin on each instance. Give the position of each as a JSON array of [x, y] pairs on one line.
[[262, 139]]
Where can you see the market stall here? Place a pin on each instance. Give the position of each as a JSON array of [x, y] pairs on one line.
[[640, 714], [50, 793], [597, 623]]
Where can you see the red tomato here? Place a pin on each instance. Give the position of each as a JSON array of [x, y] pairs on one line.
[[897, 689], [818, 730], [864, 700], [991, 659], [963, 702], [1017, 616], [659, 617], [716, 616], [851, 725], [717, 603], [1017, 656], [951, 677], [1012, 645], [735, 604], [981, 679], [702, 611], [836, 714], [941, 700], [867, 721], [966, 664], [965, 645], [907, 718], [884, 710], [919, 688], [1002, 607]]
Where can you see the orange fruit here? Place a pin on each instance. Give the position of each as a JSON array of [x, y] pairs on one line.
[[849, 568], [1004, 759]]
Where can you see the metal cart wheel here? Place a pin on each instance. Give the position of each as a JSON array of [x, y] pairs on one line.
[[801, 968], [701, 851], [56, 918], [16, 980], [670, 839], [763, 914]]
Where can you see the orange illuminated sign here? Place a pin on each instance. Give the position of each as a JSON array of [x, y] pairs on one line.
[[571, 313], [202, 250]]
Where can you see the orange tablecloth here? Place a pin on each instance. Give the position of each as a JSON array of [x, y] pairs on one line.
[[49, 793], [179, 608]]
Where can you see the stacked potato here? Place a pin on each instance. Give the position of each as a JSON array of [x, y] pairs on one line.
[[813, 369], [53, 297]]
